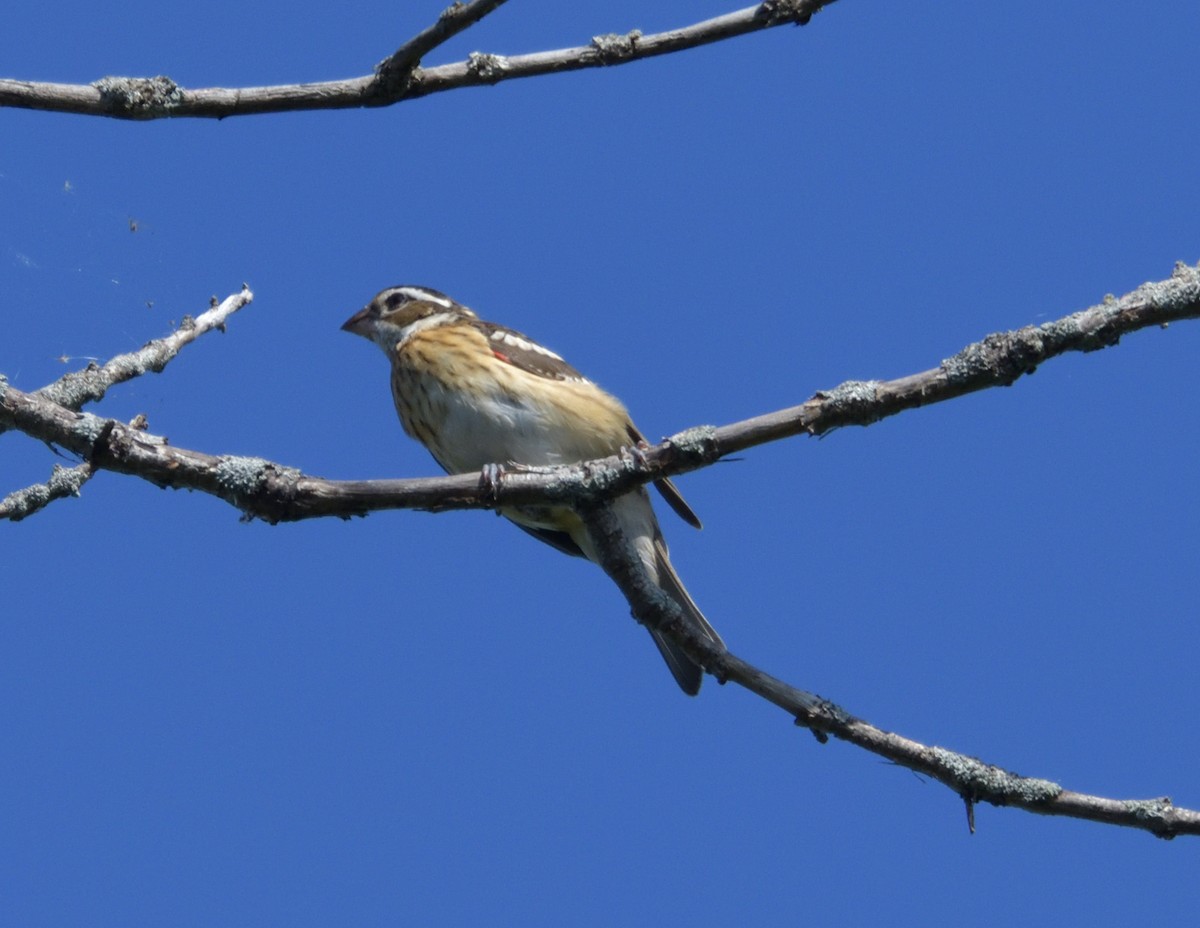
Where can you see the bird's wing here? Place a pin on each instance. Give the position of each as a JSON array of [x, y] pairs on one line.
[[524, 353]]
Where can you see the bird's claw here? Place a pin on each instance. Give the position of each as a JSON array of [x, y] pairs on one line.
[[637, 452], [490, 478]]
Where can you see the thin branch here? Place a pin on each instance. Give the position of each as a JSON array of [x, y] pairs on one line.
[[160, 97], [63, 482], [275, 493], [996, 361], [398, 67], [76, 389], [972, 779], [72, 391]]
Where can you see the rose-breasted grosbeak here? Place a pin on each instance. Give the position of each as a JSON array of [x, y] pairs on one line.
[[477, 394]]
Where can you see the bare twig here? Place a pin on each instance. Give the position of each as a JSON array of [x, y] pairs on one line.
[[398, 78], [972, 779], [397, 68], [78, 388]]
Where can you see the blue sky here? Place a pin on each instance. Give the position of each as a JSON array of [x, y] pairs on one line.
[[435, 720]]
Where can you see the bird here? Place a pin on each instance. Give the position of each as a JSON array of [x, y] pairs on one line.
[[480, 396]]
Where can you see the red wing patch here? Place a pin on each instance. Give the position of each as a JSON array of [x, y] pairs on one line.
[[515, 349]]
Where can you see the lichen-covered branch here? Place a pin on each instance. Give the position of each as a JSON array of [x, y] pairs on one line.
[[973, 780], [274, 492], [76, 389], [396, 79], [997, 360], [277, 493], [63, 482], [71, 392]]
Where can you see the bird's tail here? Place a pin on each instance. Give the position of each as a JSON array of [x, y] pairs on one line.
[[688, 674]]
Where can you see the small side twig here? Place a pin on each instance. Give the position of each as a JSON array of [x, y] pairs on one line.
[[63, 482], [393, 72], [76, 389]]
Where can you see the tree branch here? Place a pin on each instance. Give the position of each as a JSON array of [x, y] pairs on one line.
[[63, 482], [398, 77], [277, 493], [72, 391], [78, 388], [394, 71], [972, 779]]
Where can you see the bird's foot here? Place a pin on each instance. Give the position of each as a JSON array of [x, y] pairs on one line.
[[636, 452], [490, 478]]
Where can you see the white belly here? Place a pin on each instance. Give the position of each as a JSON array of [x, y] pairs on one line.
[[497, 429]]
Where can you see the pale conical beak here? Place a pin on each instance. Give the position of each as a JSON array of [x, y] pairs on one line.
[[359, 323]]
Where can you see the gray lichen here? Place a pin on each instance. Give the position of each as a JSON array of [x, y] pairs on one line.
[[613, 47], [1002, 356], [90, 427], [241, 476], [1149, 810], [486, 66], [853, 393], [696, 442], [983, 781], [64, 481], [853, 401], [1066, 329], [139, 96]]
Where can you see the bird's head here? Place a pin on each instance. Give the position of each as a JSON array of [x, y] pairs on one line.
[[397, 312]]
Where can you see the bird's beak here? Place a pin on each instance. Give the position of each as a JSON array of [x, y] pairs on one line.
[[359, 324]]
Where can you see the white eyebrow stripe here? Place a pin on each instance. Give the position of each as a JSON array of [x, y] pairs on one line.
[[426, 296], [511, 338]]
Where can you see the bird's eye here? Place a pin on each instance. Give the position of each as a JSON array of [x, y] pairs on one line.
[[395, 300]]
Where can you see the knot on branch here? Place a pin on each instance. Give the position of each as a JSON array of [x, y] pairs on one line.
[[67, 481], [394, 81], [696, 445], [1156, 812], [1002, 357], [487, 67], [612, 47], [139, 97], [257, 486], [820, 716], [855, 402], [788, 11]]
